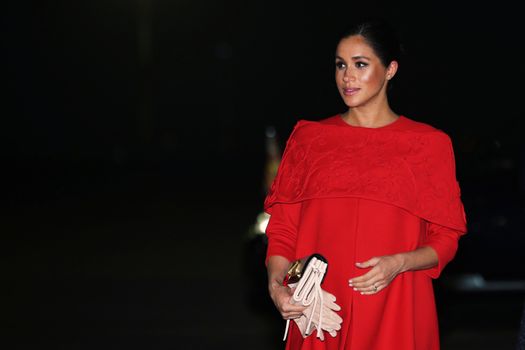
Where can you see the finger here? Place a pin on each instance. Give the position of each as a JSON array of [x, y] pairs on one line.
[[337, 319], [291, 315], [321, 335], [329, 321], [333, 306], [372, 286], [363, 278], [369, 263], [373, 290], [330, 318], [329, 297], [328, 310], [331, 326], [327, 325], [289, 308], [291, 304], [364, 285], [372, 276], [334, 321], [292, 312], [369, 293]]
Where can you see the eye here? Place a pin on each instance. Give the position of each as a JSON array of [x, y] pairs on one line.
[[360, 64], [340, 65]]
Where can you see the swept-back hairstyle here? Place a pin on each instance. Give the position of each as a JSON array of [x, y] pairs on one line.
[[381, 37]]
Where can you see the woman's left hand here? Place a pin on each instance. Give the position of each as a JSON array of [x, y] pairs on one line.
[[384, 270]]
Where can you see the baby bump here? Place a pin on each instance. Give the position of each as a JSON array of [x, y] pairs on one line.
[[385, 229]]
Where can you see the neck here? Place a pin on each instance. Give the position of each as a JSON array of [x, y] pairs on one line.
[[370, 118]]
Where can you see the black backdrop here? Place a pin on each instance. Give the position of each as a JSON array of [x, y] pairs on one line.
[[118, 111], [137, 82]]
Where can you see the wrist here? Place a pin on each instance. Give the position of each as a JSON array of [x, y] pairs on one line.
[[273, 285], [403, 261]]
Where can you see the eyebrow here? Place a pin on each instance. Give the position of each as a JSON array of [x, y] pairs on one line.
[[355, 58]]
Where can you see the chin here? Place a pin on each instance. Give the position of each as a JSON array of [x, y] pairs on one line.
[[351, 102]]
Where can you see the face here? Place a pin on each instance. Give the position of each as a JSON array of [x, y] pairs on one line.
[[360, 75]]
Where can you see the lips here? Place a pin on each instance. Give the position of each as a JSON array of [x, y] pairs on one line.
[[350, 91]]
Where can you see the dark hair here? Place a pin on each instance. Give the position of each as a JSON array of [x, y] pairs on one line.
[[381, 37]]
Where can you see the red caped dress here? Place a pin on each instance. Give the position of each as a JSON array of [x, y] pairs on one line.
[[353, 193]]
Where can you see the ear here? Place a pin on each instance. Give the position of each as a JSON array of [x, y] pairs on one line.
[[391, 70]]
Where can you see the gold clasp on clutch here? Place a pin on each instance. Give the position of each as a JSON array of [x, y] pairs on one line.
[[294, 272]]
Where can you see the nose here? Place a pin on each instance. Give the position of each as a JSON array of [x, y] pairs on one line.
[[347, 76]]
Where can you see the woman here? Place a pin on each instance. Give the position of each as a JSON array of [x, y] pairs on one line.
[[376, 194]]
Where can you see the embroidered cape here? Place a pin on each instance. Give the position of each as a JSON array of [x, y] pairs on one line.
[[412, 167]]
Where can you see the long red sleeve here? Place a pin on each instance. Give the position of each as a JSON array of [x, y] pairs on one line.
[[445, 242], [282, 230]]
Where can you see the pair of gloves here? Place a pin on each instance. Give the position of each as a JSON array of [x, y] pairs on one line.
[[320, 312], [330, 321]]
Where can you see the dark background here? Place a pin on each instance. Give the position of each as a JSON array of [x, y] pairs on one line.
[[134, 157]]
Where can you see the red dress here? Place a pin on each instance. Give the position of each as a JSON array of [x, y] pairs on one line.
[[352, 193]]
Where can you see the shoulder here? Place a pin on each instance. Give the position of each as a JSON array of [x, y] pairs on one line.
[[305, 128], [332, 120], [426, 131], [417, 126]]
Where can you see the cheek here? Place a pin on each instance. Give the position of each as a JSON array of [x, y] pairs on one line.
[[371, 77], [367, 77]]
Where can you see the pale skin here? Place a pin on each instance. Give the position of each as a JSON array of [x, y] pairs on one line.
[[362, 81], [277, 268]]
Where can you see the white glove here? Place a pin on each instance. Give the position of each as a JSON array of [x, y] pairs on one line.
[[301, 323], [320, 305], [330, 322]]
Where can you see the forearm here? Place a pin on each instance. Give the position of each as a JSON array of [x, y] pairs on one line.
[[419, 259], [277, 268], [444, 241]]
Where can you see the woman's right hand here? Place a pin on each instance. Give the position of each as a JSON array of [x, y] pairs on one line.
[[282, 298]]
